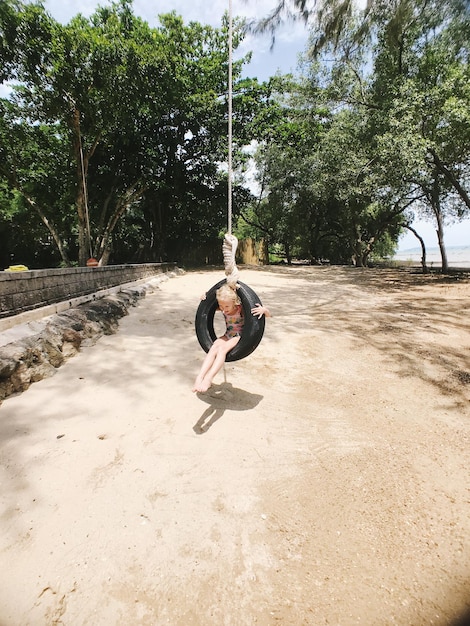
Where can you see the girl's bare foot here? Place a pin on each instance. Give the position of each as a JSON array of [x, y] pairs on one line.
[[197, 384], [204, 386]]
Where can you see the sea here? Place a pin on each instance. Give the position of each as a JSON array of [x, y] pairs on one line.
[[457, 256]]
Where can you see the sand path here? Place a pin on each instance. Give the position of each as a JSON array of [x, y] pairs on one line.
[[324, 480]]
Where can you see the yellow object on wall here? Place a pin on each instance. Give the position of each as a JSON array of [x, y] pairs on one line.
[[17, 268]]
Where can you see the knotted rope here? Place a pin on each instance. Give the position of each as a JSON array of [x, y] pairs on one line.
[[229, 249]]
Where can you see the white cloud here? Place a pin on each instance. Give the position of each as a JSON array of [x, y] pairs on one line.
[[195, 10], [5, 90], [63, 11]]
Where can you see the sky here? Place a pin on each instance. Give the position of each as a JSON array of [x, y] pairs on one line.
[[454, 235], [291, 41]]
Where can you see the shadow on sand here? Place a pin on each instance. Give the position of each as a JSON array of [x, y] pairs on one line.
[[220, 398]]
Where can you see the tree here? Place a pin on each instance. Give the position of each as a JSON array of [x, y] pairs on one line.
[[330, 16], [138, 115], [32, 158], [422, 95], [416, 98], [413, 108], [288, 135]]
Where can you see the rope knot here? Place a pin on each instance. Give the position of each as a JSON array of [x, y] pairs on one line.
[[229, 249]]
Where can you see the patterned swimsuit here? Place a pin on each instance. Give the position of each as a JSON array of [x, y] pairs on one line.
[[234, 323]]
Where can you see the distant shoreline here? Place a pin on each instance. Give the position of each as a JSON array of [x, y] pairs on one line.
[[457, 256], [434, 249]]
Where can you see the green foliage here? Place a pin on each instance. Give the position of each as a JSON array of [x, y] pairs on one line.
[[385, 103], [115, 130], [114, 139]]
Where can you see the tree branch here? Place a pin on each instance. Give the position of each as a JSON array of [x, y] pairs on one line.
[[450, 177]]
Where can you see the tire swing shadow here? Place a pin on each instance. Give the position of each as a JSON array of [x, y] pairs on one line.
[[221, 398]]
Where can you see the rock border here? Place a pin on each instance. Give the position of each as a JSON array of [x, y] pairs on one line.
[[38, 355]]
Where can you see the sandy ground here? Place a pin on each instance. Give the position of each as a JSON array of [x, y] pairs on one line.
[[323, 480]]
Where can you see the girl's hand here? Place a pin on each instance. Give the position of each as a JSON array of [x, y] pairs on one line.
[[259, 310]]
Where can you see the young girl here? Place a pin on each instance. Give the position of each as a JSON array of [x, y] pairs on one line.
[[232, 310]]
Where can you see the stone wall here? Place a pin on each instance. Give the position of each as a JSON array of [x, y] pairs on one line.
[[24, 291], [33, 351]]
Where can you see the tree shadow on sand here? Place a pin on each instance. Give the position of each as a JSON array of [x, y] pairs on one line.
[[220, 398]]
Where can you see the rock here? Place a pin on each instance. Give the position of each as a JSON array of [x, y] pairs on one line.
[[37, 356]]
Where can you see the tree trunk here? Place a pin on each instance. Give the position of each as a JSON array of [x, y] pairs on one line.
[[103, 245], [357, 259], [51, 228], [264, 251], [423, 248], [104, 259], [287, 253], [442, 248], [451, 178], [357, 247], [436, 206], [81, 166]]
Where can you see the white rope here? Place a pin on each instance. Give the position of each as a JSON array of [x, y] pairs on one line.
[[230, 244], [230, 98]]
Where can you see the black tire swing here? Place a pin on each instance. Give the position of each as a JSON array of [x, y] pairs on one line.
[[253, 327]]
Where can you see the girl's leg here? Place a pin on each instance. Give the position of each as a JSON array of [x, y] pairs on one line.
[[221, 351], [206, 365]]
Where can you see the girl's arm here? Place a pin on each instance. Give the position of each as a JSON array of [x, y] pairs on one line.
[[260, 310]]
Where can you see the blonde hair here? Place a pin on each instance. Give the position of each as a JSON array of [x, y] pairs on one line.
[[227, 293]]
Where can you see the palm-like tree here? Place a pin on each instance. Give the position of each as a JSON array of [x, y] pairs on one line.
[[331, 19], [329, 16]]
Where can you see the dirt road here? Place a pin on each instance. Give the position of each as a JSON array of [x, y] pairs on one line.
[[324, 480]]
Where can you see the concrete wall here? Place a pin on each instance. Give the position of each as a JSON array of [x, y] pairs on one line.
[[251, 252], [24, 291]]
